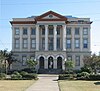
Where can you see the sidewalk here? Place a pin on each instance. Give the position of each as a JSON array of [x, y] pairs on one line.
[[45, 83]]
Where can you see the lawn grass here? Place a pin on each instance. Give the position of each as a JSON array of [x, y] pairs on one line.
[[15, 85], [79, 85]]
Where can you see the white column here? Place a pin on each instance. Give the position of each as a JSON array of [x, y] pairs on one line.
[[46, 64], [21, 41], [46, 37], [37, 37], [64, 37], [29, 39], [55, 63], [55, 37]]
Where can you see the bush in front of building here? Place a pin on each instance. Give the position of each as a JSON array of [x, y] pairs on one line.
[[66, 77], [29, 76], [16, 76], [2, 76], [83, 76], [94, 77], [23, 76]]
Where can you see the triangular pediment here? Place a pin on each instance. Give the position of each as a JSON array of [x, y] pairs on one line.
[[51, 16]]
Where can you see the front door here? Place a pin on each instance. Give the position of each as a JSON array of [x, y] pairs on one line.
[[50, 62]]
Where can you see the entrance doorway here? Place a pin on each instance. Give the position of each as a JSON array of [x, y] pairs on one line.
[[59, 63], [41, 63], [50, 62]]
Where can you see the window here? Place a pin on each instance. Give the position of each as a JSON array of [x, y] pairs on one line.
[[77, 61], [17, 43], [50, 16], [58, 43], [25, 43], [24, 58], [33, 31], [50, 29], [43, 43], [85, 43], [68, 43], [58, 30], [68, 31], [69, 57], [43, 31], [24, 31], [33, 43], [17, 31], [50, 41], [76, 31], [77, 43], [50, 32], [85, 31]]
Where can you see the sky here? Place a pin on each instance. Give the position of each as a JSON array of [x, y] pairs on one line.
[[25, 8]]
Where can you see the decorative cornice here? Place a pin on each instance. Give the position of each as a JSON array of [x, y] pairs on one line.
[[22, 22]]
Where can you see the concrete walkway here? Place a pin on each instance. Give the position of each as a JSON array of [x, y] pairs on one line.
[[45, 83]]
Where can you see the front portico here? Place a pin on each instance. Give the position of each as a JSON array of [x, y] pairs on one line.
[[50, 62]]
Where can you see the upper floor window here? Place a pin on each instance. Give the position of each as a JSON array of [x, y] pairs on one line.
[[24, 31], [17, 43], [68, 31], [68, 43], [17, 31], [51, 28], [77, 43], [85, 31], [50, 42], [43, 31], [24, 59], [58, 43], [33, 31], [85, 43], [77, 32], [25, 43], [43, 43], [33, 43], [58, 29], [50, 32], [77, 61]]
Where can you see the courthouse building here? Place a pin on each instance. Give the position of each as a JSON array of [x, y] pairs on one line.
[[50, 39]]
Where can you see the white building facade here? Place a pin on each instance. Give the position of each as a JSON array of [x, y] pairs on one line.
[[50, 39]]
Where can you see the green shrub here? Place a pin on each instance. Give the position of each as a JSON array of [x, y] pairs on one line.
[[2, 76], [30, 76], [86, 69], [66, 76], [16, 76], [23, 73], [94, 77], [83, 76]]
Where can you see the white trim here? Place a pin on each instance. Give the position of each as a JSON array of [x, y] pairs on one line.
[[41, 56], [51, 56], [60, 56]]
